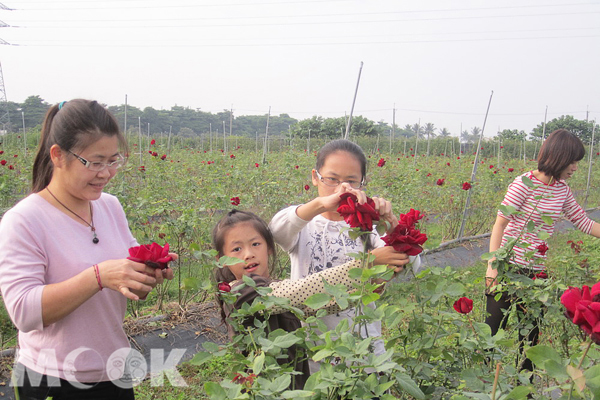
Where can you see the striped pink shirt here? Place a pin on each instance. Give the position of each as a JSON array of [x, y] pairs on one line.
[[555, 199]]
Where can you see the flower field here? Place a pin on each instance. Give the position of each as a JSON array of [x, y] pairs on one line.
[[437, 348]]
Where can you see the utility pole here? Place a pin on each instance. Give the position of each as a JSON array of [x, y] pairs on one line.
[[4, 114]]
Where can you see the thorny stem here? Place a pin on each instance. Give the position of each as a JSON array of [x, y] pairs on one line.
[[496, 381]]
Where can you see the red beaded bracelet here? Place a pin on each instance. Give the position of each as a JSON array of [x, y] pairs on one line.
[[98, 276]]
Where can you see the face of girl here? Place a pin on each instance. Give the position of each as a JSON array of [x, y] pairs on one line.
[[82, 183], [569, 171], [339, 165], [246, 243]]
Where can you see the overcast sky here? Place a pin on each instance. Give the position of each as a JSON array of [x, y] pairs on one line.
[[434, 61]]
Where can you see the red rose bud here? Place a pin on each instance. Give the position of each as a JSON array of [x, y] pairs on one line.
[[464, 305], [542, 249], [153, 255], [153, 141], [235, 201], [224, 287], [3, 162], [440, 182], [466, 186], [511, 169], [163, 157], [306, 187], [232, 156], [11, 167], [381, 163], [358, 215], [256, 164]]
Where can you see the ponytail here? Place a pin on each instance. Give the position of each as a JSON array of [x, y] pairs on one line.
[[42, 166]]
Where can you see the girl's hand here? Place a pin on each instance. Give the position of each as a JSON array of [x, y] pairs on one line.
[[125, 276], [388, 256], [332, 202], [384, 208]]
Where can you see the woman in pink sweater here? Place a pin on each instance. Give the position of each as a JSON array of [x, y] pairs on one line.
[[59, 248]]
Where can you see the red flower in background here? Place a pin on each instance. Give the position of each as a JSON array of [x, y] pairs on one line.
[[154, 154], [235, 201], [429, 174], [232, 156], [297, 166], [540, 275], [448, 164], [163, 157], [464, 305], [542, 249], [16, 155], [11, 167], [511, 169], [224, 287], [153, 142], [491, 167], [153, 255], [440, 182], [256, 164], [142, 168], [357, 215], [405, 237], [3, 162], [576, 247], [1, 151], [381, 162], [583, 309], [466, 186], [306, 187]]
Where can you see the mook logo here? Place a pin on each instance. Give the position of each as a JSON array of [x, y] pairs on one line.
[[125, 367]]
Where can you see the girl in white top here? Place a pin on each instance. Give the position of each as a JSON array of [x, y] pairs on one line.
[[312, 233]]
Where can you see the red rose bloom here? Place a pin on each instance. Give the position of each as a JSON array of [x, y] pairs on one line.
[[3, 162], [256, 164], [583, 309], [440, 182], [153, 255], [491, 167], [511, 169], [224, 287], [154, 154], [381, 163], [232, 156], [153, 141], [542, 249], [306, 187], [405, 237], [466, 186], [163, 157], [448, 164], [11, 167], [358, 215], [235, 201], [540, 275], [297, 166], [464, 305]]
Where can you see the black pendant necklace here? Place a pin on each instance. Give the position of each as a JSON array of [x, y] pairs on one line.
[[95, 240]]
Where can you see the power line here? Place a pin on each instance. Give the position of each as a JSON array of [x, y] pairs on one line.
[[155, 44], [303, 22]]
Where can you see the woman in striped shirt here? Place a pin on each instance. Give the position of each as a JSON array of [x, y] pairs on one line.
[[550, 196]]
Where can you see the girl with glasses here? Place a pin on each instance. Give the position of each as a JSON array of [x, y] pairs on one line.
[[314, 234], [59, 248]]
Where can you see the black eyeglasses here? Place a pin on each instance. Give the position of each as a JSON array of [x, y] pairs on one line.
[[98, 166], [333, 182]]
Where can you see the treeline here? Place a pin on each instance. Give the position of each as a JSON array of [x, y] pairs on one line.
[[191, 123]]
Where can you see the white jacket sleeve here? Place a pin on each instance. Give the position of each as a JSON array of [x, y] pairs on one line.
[[286, 226]]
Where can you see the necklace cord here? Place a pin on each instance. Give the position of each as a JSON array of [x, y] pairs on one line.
[[92, 227]]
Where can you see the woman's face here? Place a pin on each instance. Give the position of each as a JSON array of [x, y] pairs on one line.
[[243, 241], [569, 171], [81, 182]]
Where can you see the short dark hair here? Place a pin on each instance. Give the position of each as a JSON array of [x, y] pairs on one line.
[[342, 145], [561, 149], [73, 124]]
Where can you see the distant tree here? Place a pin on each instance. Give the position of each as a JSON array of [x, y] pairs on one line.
[[581, 128], [511, 134], [34, 109], [445, 132]]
